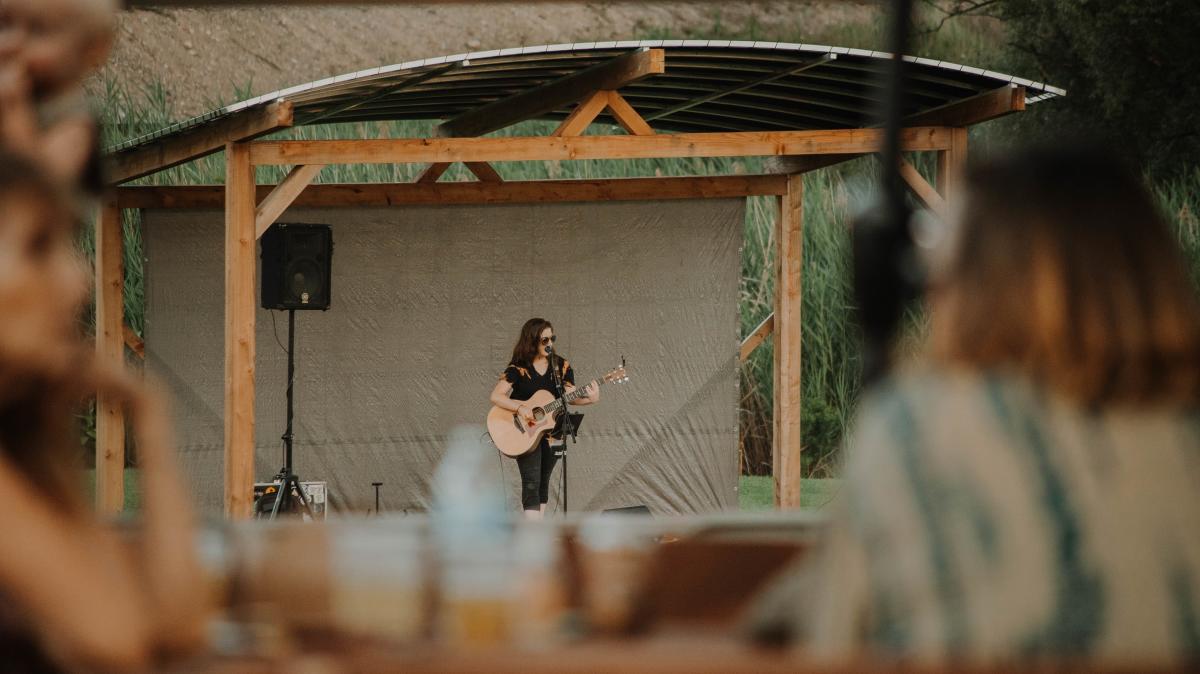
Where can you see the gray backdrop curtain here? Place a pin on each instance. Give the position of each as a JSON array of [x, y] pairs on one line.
[[427, 302]]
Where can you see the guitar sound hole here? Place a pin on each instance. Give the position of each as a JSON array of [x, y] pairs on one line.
[[539, 414]]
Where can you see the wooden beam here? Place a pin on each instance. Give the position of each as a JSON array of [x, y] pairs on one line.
[[133, 342], [789, 230], [240, 248], [545, 148], [988, 105], [805, 163], [757, 336], [481, 169], [484, 172], [627, 117], [110, 352], [922, 189], [324, 195], [612, 74], [583, 115], [575, 124], [951, 163], [433, 172], [785, 72], [173, 150], [275, 203]]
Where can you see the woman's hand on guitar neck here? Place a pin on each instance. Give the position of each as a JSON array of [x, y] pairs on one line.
[[589, 395]]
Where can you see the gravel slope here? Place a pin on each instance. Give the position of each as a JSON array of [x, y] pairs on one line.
[[206, 56]]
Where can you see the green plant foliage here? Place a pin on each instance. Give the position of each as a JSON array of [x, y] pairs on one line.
[[1179, 199], [1129, 68]]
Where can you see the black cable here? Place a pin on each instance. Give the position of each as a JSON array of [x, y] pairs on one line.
[[275, 331], [499, 463]]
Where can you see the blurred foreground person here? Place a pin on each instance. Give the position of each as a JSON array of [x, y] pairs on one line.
[[1033, 489], [47, 48], [72, 592]]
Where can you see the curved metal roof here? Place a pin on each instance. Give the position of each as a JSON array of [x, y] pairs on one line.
[[740, 86]]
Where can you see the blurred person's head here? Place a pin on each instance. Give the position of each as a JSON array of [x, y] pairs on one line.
[[42, 279], [44, 359], [59, 42], [1059, 267]]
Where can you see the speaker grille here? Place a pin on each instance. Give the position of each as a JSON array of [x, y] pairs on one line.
[[296, 266]]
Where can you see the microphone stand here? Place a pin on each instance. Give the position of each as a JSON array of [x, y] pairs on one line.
[[886, 275], [568, 427]]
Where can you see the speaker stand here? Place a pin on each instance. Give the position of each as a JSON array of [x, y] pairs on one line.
[[289, 482]]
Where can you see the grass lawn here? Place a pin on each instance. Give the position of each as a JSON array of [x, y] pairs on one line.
[[757, 492]]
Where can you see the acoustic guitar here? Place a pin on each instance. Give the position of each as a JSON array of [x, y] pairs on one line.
[[513, 437]]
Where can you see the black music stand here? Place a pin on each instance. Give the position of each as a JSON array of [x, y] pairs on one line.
[[561, 450]]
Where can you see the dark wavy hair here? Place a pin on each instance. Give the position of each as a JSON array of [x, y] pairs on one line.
[[526, 348]]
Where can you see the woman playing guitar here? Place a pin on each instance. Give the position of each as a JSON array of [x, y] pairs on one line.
[[528, 372]]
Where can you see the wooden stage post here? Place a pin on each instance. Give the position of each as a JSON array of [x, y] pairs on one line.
[[110, 352], [241, 244], [951, 162], [789, 229]]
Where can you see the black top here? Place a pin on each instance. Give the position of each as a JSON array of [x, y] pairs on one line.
[[526, 381]]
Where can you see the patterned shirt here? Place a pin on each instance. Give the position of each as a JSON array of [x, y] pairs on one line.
[[526, 381], [984, 519]]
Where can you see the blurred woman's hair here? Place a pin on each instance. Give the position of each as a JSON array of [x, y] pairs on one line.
[[1061, 269]]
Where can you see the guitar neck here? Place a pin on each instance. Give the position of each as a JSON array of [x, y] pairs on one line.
[[578, 392], [572, 396]]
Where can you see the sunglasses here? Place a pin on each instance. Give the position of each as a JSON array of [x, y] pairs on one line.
[[549, 340]]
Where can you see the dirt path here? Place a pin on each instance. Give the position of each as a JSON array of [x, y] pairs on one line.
[[206, 56]]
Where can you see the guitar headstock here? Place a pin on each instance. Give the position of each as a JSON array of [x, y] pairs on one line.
[[617, 375]]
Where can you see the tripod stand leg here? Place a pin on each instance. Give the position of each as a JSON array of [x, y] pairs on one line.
[[299, 489], [279, 496], [289, 488]]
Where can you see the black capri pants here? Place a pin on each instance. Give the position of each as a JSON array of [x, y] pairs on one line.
[[536, 467]]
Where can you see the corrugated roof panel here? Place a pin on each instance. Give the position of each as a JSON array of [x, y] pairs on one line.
[[846, 89]]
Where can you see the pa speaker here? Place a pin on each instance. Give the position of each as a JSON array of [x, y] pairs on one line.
[[296, 265]]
